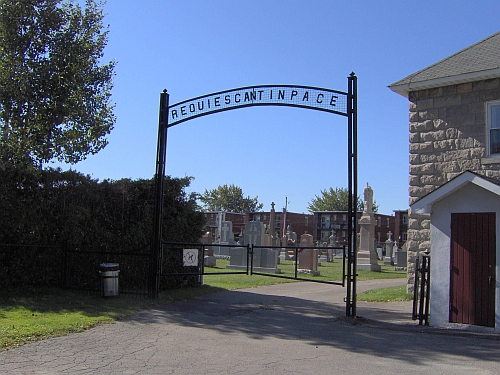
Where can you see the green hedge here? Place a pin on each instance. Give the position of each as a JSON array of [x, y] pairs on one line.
[[68, 210]]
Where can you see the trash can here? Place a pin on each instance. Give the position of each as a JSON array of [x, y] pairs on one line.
[[109, 279]]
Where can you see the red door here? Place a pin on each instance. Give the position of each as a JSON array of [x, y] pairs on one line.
[[473, 267]]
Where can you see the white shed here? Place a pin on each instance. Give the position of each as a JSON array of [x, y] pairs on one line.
[[464, 216]]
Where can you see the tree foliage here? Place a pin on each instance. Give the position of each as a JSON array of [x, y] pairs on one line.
[[334, 200], [229, 198], [54, 94], [51, 207]]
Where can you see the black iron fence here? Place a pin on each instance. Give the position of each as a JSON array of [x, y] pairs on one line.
[[81, 269], [175, 266], [26, 265], [58, 266], [421, 290], [72, 268]]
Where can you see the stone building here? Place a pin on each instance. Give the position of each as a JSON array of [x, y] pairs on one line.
[[454, 124], [400, 227], [299, 223]]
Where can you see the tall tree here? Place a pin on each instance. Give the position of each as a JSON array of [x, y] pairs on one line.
[[54, 92], [229, 198], [334, 200]]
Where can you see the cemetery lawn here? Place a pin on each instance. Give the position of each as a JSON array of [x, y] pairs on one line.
[[328, 272], [35, 314]]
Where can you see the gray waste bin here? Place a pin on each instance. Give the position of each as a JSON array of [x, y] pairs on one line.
[[109, 279]]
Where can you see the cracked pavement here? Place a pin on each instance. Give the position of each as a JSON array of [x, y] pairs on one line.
[[296, 328]]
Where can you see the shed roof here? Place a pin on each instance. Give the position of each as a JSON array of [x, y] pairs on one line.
[[424, 205], [477, 62]]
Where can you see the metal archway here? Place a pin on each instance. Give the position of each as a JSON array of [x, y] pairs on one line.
[[308, 97]]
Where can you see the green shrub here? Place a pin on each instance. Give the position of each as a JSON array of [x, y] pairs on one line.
[[50, 211]]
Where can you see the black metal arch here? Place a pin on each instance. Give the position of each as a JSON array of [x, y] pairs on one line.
[[308, 97]]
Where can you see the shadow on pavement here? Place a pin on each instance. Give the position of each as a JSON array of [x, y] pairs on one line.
[[261, 317]]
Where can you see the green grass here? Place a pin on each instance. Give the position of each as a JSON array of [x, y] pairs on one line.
[[36, 314], [328, 272], [391, 294]]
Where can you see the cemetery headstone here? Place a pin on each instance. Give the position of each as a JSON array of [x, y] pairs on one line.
[[252, 235], [269, 257], [226, 238], [289, 239], [264, 260], [400, 257], [209, 259], [380, 252], [308, 258]]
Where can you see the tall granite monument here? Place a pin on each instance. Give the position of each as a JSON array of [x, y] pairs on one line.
[[367, 257]]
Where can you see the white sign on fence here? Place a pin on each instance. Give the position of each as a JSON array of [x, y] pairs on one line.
[[190, 257]]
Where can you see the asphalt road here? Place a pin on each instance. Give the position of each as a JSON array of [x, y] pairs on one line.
[[296, 328]]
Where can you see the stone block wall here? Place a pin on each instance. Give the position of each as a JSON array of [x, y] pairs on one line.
[[447, 137]]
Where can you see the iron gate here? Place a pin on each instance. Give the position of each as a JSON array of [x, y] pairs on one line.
[[199, 270]]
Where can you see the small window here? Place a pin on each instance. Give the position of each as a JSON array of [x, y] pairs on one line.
[[493, 128]]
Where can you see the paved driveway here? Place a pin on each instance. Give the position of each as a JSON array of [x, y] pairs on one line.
[[296, 328]]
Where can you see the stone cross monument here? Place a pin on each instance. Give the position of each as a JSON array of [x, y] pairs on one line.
[[389, 244], [367, 257]]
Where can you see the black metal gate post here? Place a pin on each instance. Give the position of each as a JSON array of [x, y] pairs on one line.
[[161, 151], [352, 104]]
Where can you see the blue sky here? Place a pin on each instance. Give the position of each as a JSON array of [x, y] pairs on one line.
[[192, 48]]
